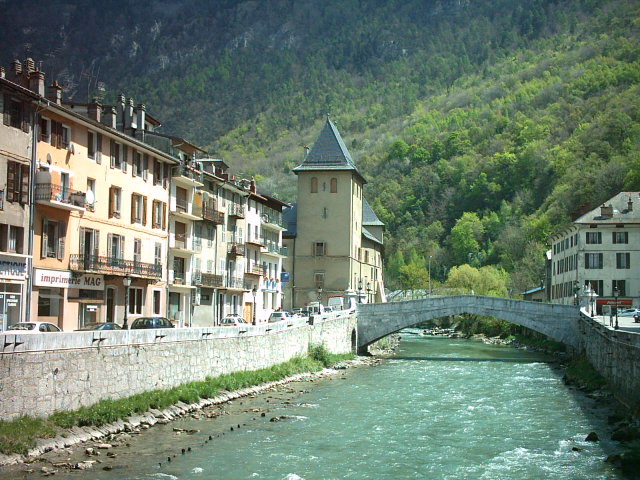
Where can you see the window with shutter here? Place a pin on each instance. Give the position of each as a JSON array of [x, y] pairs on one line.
[[98, 148], [11, 180], [164, 216], [24, 184], [62, 231], [144, 211]]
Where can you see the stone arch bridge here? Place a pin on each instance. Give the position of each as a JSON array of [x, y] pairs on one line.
[[377, 320]]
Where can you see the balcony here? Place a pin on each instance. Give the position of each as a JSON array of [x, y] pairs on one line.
[[182, 210], [207, 280], [114, 266], [186, 175], [181, 242], [236, 249], [275, 249], [197, 244], [273, 220], [255, 269], [235, 210], [212, 215], [236, 283], [60, 197]]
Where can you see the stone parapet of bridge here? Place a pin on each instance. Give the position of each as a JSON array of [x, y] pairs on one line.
[[377, 320]]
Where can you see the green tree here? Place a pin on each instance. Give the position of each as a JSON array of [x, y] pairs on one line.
[[465, 237]]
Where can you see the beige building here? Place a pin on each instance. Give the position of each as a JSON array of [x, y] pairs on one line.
[[334, 239], [599, 252]]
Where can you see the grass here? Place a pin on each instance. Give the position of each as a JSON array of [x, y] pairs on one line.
[[580, 372], [19, 435]]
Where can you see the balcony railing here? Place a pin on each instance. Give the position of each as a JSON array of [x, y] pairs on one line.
[[237, 249], [181, 240], [235, 210], [182, 205], [255, 269], [275, 248], [113, 266], [272, 219], [212, 215], [235, 282], [187, 172], [207, 280], [58, 193]]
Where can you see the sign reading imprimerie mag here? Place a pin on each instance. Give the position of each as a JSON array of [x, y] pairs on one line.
[[66, 279]]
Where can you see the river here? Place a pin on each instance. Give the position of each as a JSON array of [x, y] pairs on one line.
[[439, 409]]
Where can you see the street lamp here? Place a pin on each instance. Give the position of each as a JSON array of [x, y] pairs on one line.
[[430, 274], [616, 292], [254, 292], [360, 290], [368, 292], [126, 281]]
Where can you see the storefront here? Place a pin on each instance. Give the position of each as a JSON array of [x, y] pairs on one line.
[[13, 270], [68, 299]]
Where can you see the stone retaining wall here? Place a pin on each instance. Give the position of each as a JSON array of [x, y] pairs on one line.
[[43, 373], [616, 355]]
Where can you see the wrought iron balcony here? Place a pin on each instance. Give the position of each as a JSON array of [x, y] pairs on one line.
[[212, 215], [235, 210], [272, 219], [236, 283], [207, 280], [113, 266], [61, 197], [187, 173], [276, 249], [255, 269], [237, 249]]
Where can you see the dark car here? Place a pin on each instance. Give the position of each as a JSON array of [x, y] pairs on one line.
[[151, 322], [100, 326]]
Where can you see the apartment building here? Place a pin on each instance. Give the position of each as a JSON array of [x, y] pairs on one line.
[[334, 238], [18, 106], [599, 252]]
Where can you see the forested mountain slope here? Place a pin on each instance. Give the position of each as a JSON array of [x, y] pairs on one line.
[[481, 125]]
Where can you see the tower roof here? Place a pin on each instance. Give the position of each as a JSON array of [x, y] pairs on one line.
[[328, 153]]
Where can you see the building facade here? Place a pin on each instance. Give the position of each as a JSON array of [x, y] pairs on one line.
[[600, 253], [334, 239]]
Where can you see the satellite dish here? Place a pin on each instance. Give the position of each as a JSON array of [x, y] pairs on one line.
[[90, 197]]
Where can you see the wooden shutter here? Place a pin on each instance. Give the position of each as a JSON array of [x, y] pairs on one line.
[[62, 232], [121, 251], [96, 245], [110, 253], [164, 215], [24, 184], [45, 239], [133, 208], [145, 166], [12, 168], [134, 163], [111, 201], [82, 243], [144, 211], [165, 176], [98, 153]]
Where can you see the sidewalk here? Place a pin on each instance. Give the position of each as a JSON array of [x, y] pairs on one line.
[[624, 323]]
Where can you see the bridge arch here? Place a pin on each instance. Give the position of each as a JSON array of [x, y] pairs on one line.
[[377, 320]]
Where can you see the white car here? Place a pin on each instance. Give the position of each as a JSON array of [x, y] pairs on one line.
[[32, 327], [629, 312], [233, 321]]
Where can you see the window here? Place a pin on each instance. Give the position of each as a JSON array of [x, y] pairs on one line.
[[314, 185], [334, 185], [116, 248], [91, 194], [156, 302], [118, 156], [53, 237], [158, 214], [136, 164], [137, 250], [135, 300], [115, 202], [621, 285], [17, 182], [623, 260], [13, 113], [318, 280], [593, 260], [16, 237], [138, 209], [210, 235], [319, 249], [620, 237], [45, 130], [157, 253], [594, 237], [65, 137]]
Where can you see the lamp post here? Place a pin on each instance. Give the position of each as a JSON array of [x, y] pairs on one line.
[[254, 292], [126, 281], [368, 292], [430, 274], [616, 292], [360, 291]]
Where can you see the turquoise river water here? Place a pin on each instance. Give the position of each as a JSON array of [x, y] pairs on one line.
[[439, 409]]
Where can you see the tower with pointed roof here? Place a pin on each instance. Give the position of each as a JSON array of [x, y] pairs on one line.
[[334, 239]]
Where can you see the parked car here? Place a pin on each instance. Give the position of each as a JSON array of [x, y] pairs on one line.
[[629, 312], [100, 326], [279, 316], [233, 321], [33, 327], [151, 322]]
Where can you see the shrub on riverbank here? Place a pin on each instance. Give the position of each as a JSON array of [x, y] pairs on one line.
[[581, 373], [19, 435]]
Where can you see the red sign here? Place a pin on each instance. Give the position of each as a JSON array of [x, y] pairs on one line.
[[624, 302]]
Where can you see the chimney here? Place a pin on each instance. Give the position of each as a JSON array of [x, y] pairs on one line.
[[306, 151], [29, 65], [2, 74], [629, 204], [36, 82], [141, 113], [120, 112], [128, 114], [95, 110], [606, 211], [252, 185], [54, 93], [16, 71], [110, 118]]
